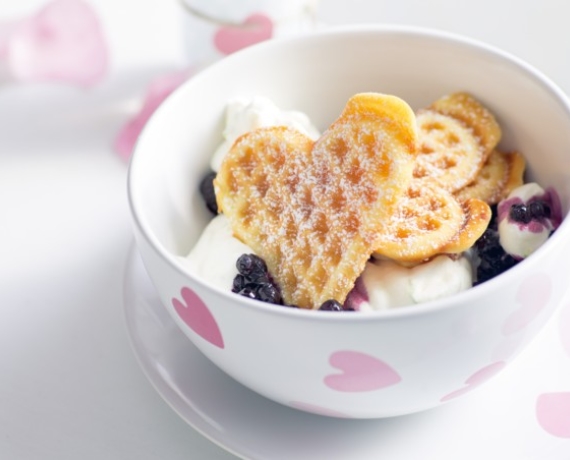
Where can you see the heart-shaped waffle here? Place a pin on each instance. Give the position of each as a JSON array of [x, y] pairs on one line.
[[312, 210]]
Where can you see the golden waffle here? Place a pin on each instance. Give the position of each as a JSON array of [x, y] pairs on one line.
[[477, 215], [312, 210], [426, 219], [517, 166], [429, 221], [502, 173], [448, 152], [464, 107], [456, 136]]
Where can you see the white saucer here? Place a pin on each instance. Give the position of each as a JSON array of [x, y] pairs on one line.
[[497, 420]]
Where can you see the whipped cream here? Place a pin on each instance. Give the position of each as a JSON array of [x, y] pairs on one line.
[[244, 115], [521, 238], [385, 284], [214, 256]]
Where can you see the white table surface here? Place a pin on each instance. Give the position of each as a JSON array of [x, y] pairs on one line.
[[70, 387]]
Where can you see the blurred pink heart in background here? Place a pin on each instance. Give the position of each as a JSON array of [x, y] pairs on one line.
[[157, 92], [62, 42]]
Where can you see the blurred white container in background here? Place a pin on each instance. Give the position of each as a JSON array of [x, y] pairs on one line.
[[213, 29]]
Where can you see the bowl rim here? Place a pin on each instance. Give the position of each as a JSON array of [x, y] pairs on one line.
[[425, 308]]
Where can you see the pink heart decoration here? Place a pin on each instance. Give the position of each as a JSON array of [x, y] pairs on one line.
[[256, 28], [532, 296], [62, 42], [360, 372], [198, 317], [553, 413], [564, 328], [158, 91], [476, 379]]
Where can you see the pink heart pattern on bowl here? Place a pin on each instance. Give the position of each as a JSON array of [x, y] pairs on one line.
[[533, 295], [553, 409], [359, 372], [196, 315], [476, 379], [255, 29]]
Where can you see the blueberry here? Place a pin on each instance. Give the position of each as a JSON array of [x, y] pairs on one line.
[[265, 292], [208, 193], [254, 280], [331, 305], [239, 283], [251, 266], [539, 210], [493, 260], [248, 291], [535, 210], [268, 292], [519, 213]]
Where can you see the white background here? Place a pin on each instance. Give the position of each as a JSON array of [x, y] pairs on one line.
[[70, 387]]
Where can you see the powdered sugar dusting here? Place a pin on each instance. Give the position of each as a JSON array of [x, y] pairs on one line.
[[449, 151], [491, 182], [426, 218], [466, 109]]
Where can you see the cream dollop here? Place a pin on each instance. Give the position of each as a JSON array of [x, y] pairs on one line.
[[214, 256], [387, 284], [521, 239], [244, 115]]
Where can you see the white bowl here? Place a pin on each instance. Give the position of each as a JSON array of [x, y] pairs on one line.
[[352, 365]]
